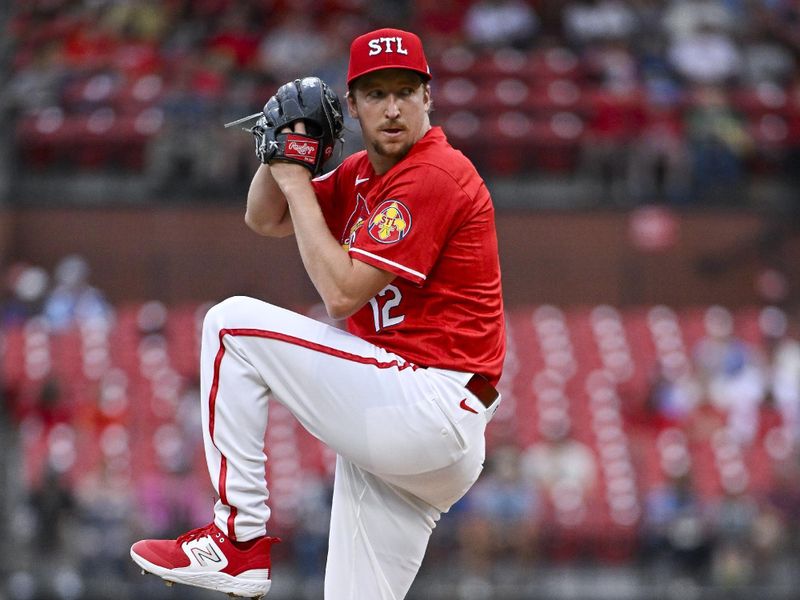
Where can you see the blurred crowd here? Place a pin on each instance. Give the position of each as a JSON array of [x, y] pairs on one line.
[[682, 459], [680, 100], [61, 299]]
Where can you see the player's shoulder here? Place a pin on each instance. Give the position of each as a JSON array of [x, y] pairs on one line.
[[437, 151], [437, 163]]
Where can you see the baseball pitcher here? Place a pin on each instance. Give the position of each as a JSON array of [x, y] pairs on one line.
[[400, 241]]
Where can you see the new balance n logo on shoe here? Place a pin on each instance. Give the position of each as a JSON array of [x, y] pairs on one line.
[[203, 555]]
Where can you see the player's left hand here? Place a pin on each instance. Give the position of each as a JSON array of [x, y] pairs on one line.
[[308, 101]]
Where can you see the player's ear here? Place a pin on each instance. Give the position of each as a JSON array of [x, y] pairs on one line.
[[426, 95], [351, 103]]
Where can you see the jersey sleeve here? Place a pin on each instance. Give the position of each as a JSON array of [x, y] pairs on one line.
[[325, 187], [411, 222]]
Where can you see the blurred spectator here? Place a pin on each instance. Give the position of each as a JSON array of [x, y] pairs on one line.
[[93, 43], [312, 513], [146, 20], [685, 17], [104, 507], [238, 34], [38, 84], [53, 505], [24, 293], [649, 16], [40, 408], [732, 567], [792, 161], [708, 56], [587, 21], [734, 516], [766, 59], [291, 50], [769, 540], [499, 520], [783, 498], [718, 346], [231, 158], [74, 299], [782, 17], [732, 373], [612, 65], [333, 70], [617, 117], [558, 463], [174, 495], [783, 357], [718, 144], [140, 27], [53, 406], [659, 167], [440, 23], [381, 13], [674, 395], [739, 392], [187, 30], [496, 23], [733, 520], [675, 529], [179, 158], [151, 319]]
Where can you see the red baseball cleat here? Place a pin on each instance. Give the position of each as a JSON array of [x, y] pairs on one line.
[[206, 558]]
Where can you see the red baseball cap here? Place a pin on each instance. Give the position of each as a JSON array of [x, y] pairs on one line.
[[386, 49]]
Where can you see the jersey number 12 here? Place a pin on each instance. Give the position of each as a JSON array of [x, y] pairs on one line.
[[381, 310]]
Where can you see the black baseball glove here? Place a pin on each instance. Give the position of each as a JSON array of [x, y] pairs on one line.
[[309, 100]]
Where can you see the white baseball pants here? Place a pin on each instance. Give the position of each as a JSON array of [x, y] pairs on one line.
[[407, 449]]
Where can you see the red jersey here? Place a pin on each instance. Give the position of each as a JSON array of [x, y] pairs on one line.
[[430, 221]]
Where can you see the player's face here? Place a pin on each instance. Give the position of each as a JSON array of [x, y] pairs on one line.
[[392, 106]]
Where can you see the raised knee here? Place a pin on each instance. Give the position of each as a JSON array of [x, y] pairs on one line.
[[225, 313]]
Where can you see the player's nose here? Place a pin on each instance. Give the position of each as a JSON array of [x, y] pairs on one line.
[[392, 107]]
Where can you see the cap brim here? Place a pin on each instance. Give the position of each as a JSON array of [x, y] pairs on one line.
[[424, 74]]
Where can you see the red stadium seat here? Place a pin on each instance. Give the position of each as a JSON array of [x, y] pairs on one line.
[[139, 93]]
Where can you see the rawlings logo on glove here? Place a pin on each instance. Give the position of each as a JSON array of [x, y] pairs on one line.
[[309, 100], [301, 148]]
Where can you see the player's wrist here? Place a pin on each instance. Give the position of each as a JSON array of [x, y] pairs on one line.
[[292, 179]]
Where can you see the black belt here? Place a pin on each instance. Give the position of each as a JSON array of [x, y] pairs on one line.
[[483, 390]]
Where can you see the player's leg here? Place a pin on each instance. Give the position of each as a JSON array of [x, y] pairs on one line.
[[378, 537], [366, 404]]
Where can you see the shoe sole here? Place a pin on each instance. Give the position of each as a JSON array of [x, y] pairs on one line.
[[219, 582]]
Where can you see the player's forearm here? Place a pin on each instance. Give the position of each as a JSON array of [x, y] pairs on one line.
[[267, 211], [329, 266]]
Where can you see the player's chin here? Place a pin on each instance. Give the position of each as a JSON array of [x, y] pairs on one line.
[[393, 149]]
